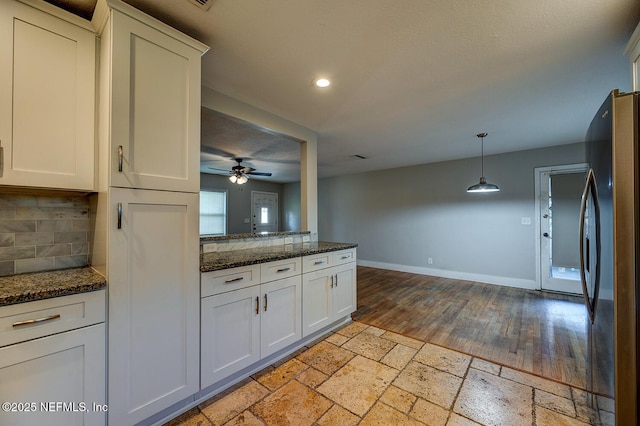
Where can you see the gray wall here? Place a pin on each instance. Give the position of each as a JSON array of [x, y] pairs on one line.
[[291, 207], [566, 192], [401, 217], [239, 199]]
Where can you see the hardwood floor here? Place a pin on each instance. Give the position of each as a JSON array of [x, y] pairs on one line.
[[538, 332]]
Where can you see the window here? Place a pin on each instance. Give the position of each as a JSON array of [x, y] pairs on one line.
[[213, 212]]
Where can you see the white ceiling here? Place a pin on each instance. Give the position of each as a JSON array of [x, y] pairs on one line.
[[415, 80]]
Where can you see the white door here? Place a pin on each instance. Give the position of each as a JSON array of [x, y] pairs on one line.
[[317, 301], [66, 367], [559, 194], [344, 290], [230, 333], [154, 302], [155, 109], [47, 106], [281, 322], [264, 212]]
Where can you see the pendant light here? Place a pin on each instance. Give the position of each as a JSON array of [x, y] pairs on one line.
[[483, 186]]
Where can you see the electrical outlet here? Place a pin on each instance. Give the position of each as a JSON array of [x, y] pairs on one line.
[[288, 240], [430, 261], [526, 221], [247, 220], [305, 238]]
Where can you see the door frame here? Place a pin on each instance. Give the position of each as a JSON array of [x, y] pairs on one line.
[[277, 218], [538, 173]]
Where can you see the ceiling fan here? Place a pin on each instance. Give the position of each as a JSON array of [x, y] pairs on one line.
[[239, 173]]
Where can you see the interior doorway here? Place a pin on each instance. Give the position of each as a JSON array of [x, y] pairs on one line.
[[558, 193], [264, 212]]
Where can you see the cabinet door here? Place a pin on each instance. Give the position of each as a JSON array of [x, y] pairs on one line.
[[281, 314], [230, 333], [344, 290], [317, 301], [47, 100], [68, 367], [154, 302], [155, 110]]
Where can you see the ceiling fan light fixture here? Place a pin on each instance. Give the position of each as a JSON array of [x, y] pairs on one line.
[[233, 178], [242, 180], [483, 186]]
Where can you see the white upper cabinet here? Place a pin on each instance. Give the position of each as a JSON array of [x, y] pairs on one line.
[[47, 99], [151, 100]]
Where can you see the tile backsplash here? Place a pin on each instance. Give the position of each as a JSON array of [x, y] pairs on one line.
[[42, 232]]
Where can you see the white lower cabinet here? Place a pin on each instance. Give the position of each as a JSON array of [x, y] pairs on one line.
[[57, 379], [230, 332], [328, 294], [281, 314], [240, 327], [251, 312]]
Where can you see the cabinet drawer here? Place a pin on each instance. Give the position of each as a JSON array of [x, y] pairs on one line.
[[217, 282], [26, 321], [344, 256], [316, 262], [280, 269]]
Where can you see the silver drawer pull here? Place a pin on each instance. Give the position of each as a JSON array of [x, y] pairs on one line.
[[36, 321], [120, 157], [345, 257], [283, 270], [319, 262], [233, 280], [119, 215]]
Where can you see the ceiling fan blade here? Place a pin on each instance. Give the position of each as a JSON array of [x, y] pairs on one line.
[[259, 173], [220, 170]]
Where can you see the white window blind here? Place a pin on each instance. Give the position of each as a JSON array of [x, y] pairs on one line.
[[213, 212]]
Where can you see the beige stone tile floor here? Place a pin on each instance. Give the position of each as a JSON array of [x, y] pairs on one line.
[[363, 375]]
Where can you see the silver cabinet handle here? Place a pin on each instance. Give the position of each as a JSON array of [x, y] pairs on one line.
[[345, 257], [283, 270], [1, 161], [331, 281], [120, 157], [233, 280], [257, 305], [265, 302], [119, 215], [336, 280], [36, 321], [318, 262]]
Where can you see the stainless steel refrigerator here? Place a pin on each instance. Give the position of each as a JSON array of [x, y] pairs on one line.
[[610, 247]]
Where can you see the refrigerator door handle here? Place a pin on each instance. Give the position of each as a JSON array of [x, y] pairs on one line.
[[590, 188]]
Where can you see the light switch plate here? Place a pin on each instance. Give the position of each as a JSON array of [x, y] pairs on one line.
[[526, 221], [288, 240]]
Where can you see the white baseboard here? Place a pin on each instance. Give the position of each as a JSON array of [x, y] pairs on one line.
[[489, 279]]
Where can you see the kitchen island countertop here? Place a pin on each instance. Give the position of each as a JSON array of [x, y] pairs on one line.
[[231, 259]]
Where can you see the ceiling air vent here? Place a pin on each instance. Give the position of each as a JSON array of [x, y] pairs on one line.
[[362, 157], [202, 4]]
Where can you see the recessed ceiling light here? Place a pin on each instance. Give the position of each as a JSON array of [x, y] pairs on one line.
[[322, 82]]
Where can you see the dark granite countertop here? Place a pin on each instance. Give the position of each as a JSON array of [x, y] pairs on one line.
[[232, 259], [43, 285]]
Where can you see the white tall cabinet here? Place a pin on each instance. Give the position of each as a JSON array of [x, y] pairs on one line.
[[147, 210], [47, 97]]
